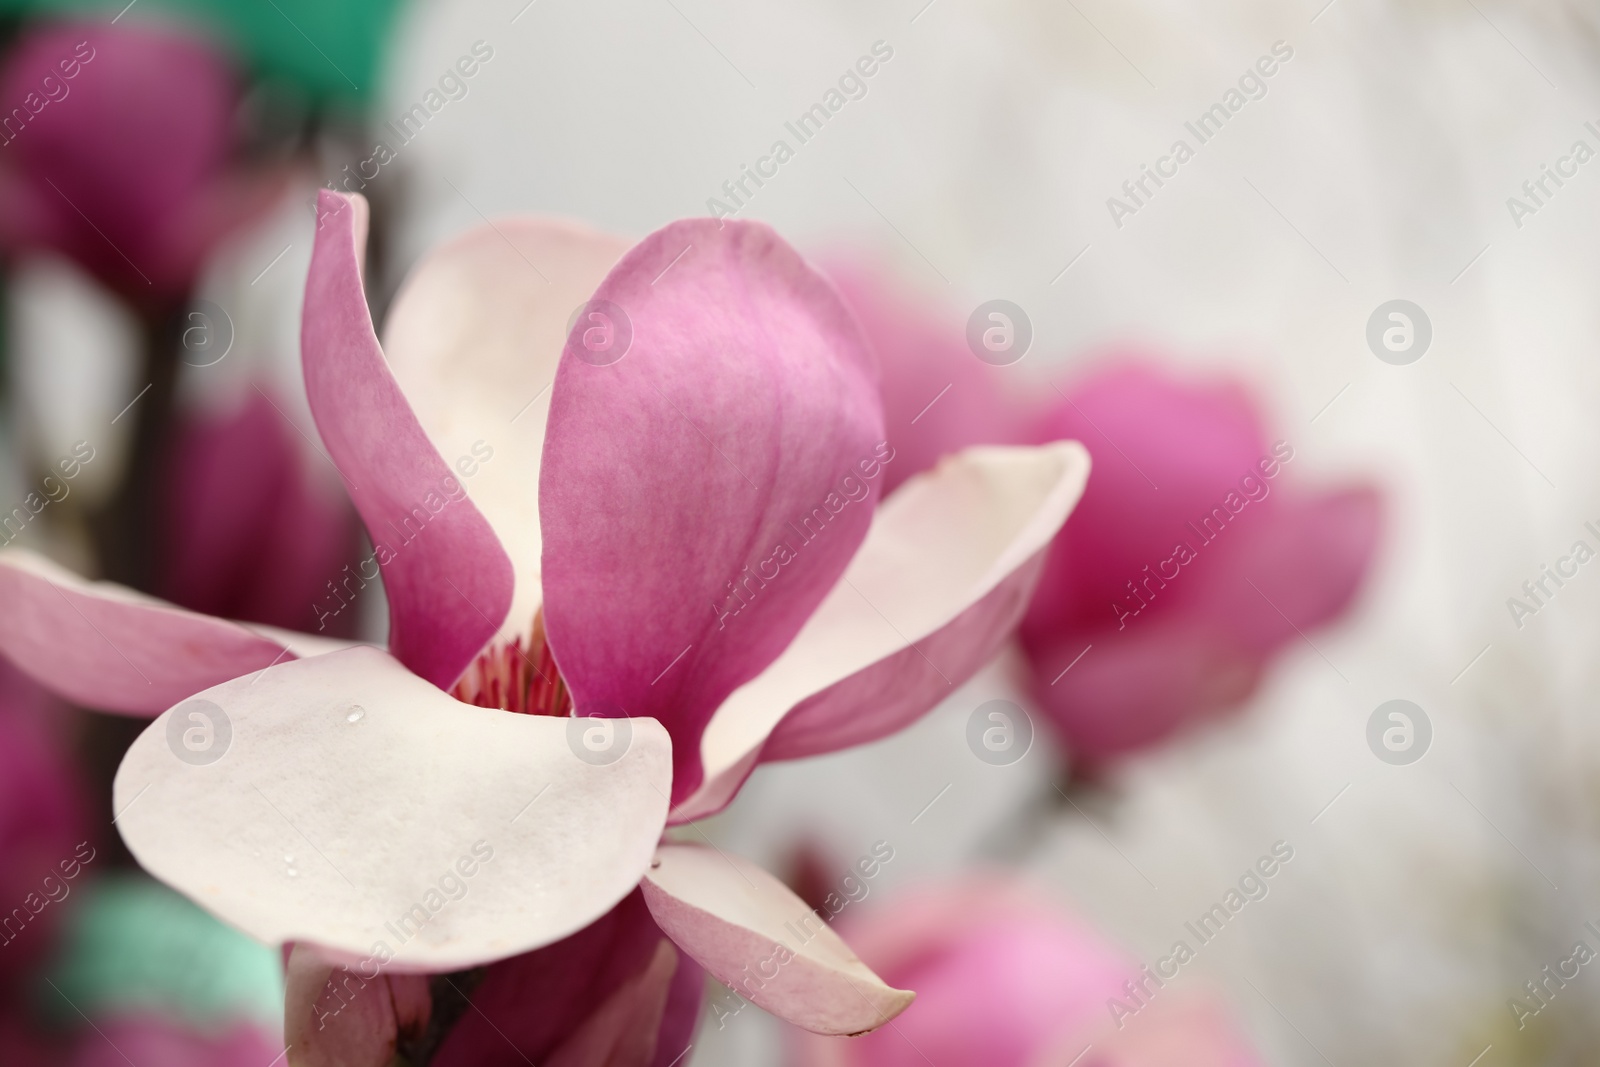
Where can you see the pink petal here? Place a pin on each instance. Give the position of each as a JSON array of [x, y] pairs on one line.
[[1139, 686], [1166, 452], [448, 580], [606, 980], [943, 577], [336, 1017], [116, 178], [474, 339], [351, 805], [744, 408], [109, 648], [938, 397], [1267, 591], [42, 819], [682, 1014], [1181, 1027], [622, 1030], [1244, 598], [1001, 974], [250, 532], [751, 933]]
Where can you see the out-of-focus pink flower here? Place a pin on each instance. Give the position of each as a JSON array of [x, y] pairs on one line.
[[151, 1039], [1189, 563], [938, 397], [115, 145], [1005, 979], [249, 531], [41, 826], [1189, 637]]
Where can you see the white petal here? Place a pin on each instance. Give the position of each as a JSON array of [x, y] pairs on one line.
[[474, 337], [748, 930], [346, 801], [938, 584]]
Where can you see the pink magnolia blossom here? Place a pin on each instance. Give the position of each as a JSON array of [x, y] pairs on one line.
[[248, 530], [672, 530], [41, 826], [115, 152], [1166, 651], [1191, 562], [1005, 979]]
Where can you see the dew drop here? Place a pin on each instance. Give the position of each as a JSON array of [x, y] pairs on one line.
[[357, 713]]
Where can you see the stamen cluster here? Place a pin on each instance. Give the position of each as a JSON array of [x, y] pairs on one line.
[[516, 676]]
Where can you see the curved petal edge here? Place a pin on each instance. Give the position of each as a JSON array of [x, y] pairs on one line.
[[939, 584], [108, 647], [752, 934], [344, 802], [448, 580]]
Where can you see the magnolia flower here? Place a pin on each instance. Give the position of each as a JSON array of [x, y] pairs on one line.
[[247, 530], [1192, 561], [116, 153], [624, 564], [1158, 604], [1006, 979]]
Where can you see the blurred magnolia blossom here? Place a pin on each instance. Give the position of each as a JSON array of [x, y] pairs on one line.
[[554, 619], [1191, 561], [248, 530], [1004, 978], [43, 829], [116, 150], [1190, 564]]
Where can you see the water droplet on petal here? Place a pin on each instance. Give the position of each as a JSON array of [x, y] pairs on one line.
[[357, 713]]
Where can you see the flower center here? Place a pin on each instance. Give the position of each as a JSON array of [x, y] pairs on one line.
[[516, 676]]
